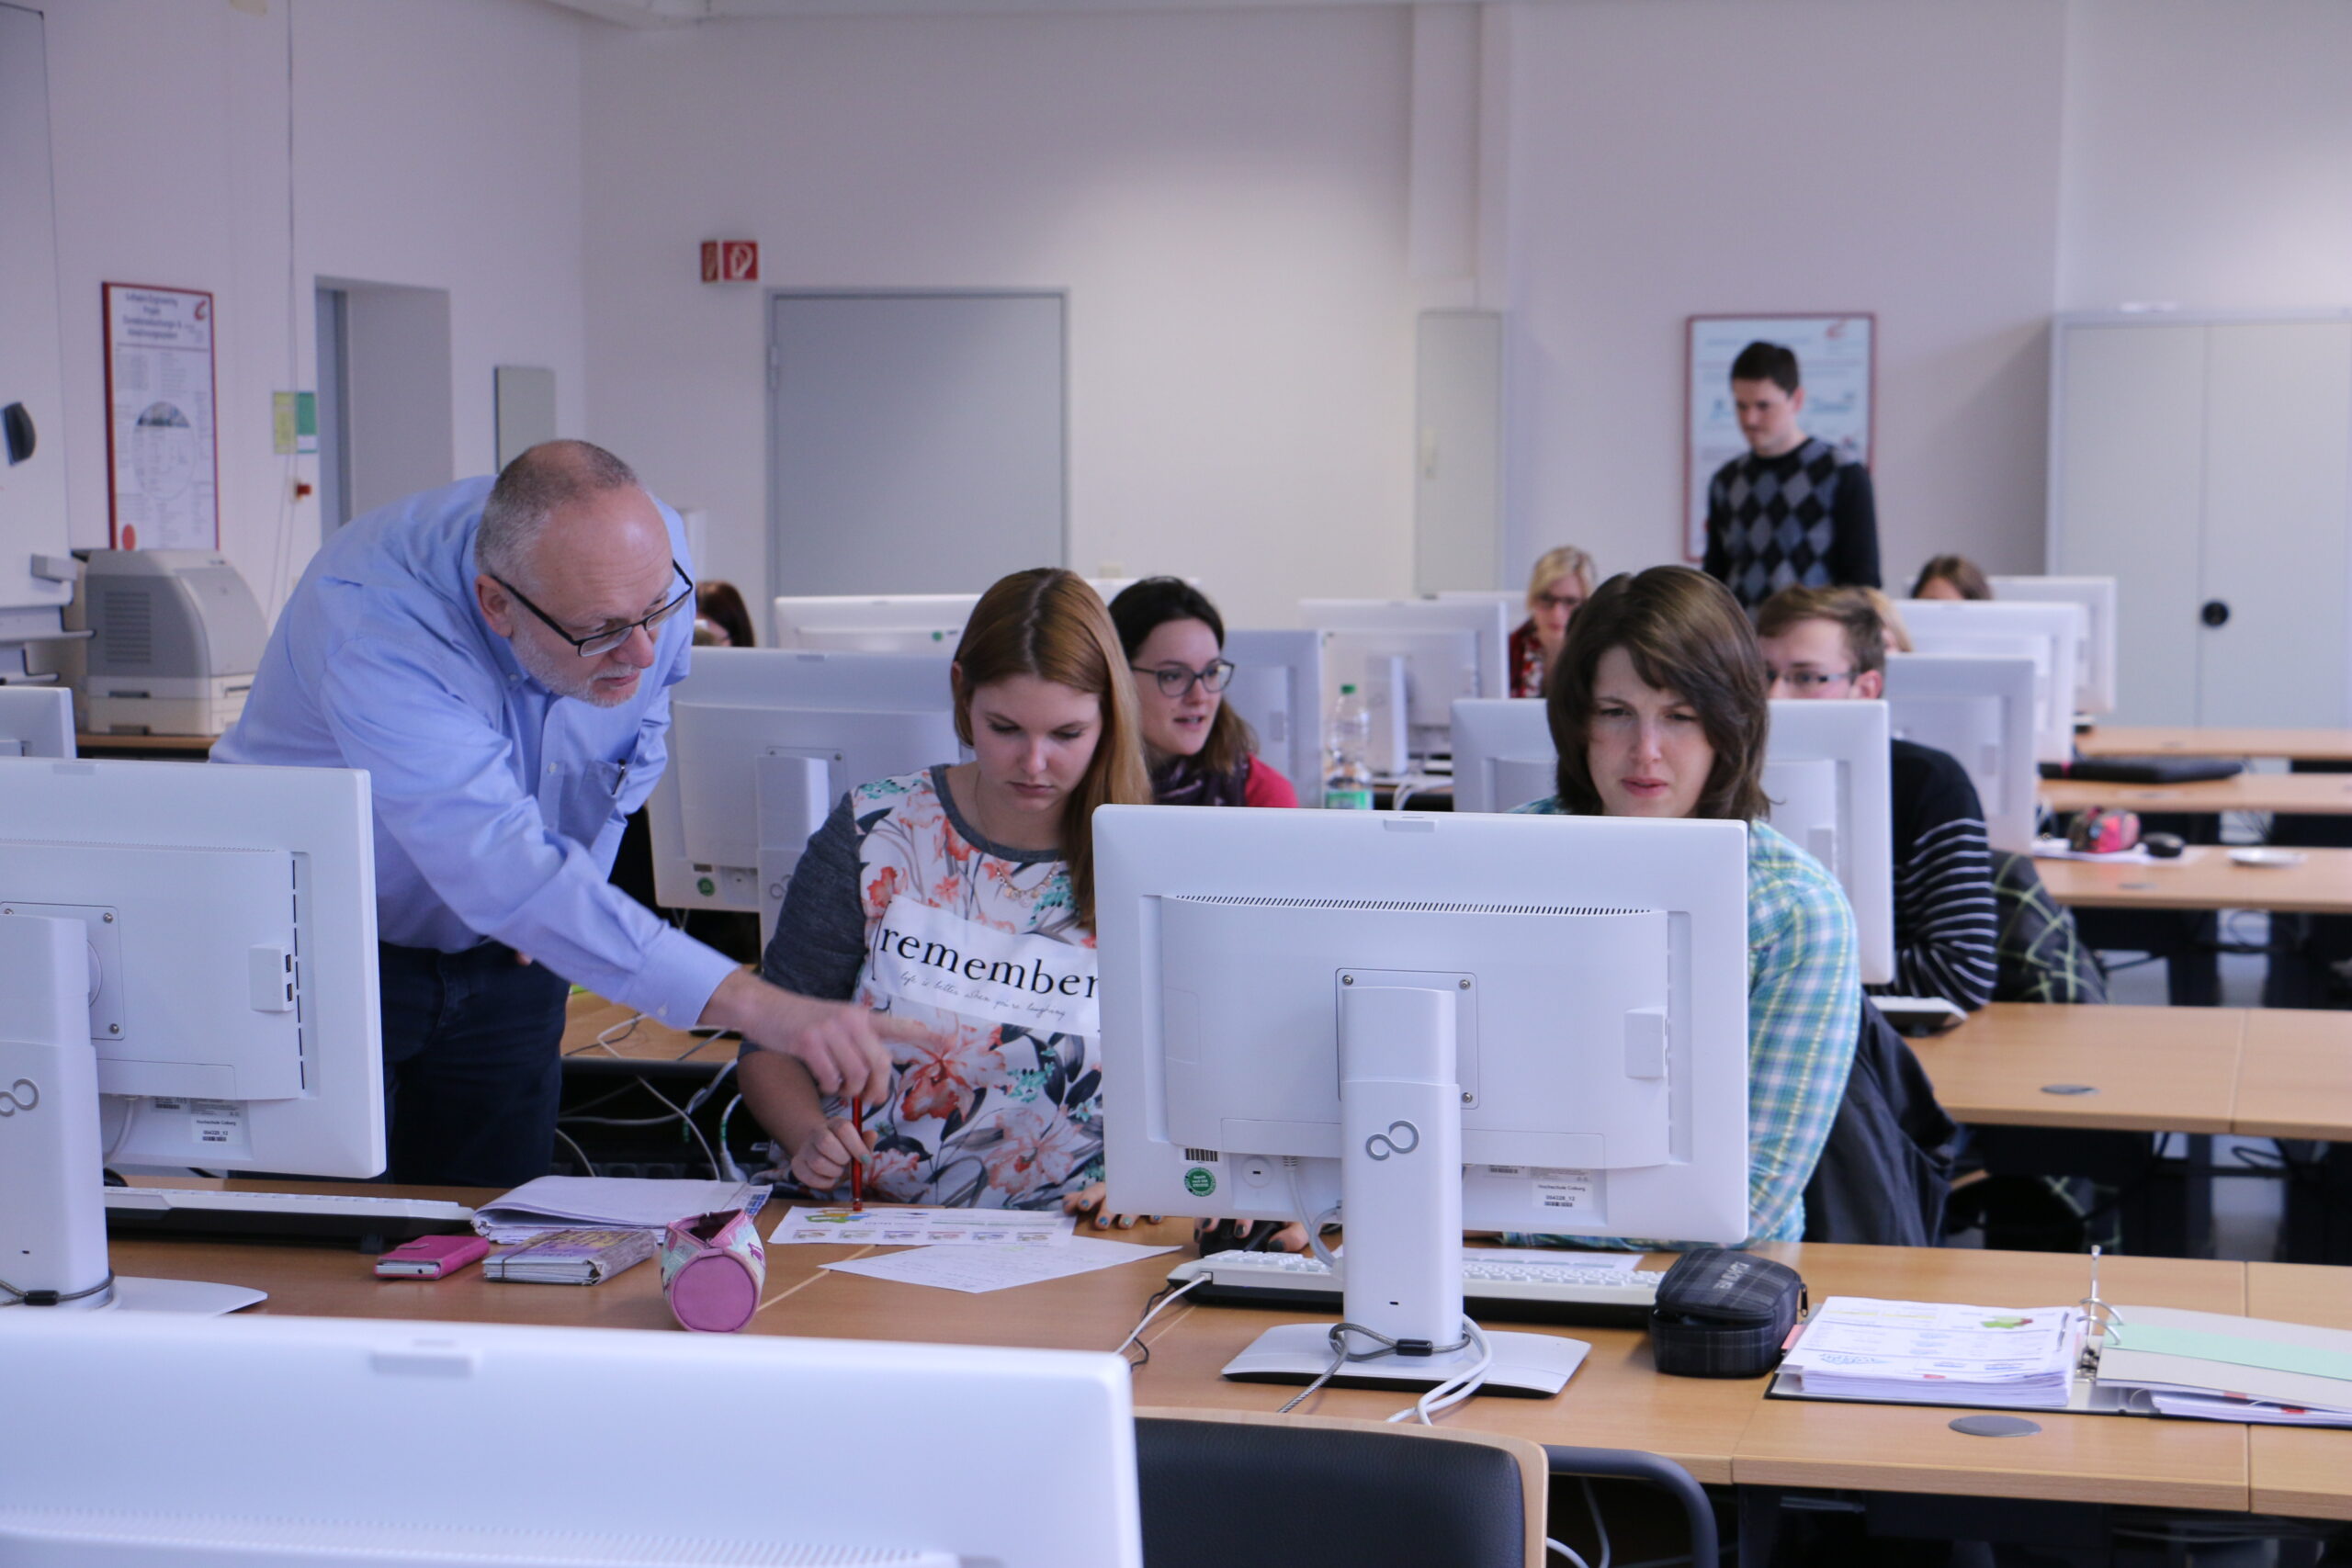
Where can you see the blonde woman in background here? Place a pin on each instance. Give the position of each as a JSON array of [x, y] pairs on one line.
[[1556, 588]]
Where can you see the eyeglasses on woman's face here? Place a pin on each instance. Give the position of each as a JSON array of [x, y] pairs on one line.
[[1175, 681]]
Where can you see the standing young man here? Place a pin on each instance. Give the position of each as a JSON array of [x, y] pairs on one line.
[[1791, 513]]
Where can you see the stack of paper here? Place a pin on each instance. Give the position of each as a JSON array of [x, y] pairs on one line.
[[837, 1226], [607, 1202], [573, 1257], [1938, 1353]]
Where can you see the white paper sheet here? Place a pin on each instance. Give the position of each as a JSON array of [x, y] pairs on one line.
[[607, 1202], [842, 1227], [974, 1269]]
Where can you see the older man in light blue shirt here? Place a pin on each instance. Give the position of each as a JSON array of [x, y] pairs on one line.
[[499, 659]]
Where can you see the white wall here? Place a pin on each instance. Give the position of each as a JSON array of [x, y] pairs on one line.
[[2208, 155], [1223, 193], [1724, 156], [435, 142]]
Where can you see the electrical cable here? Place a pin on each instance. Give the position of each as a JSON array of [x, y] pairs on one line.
[[577, 1152], [1565, 1550], [1592, 1506], [1313, 1223], [1134, 1336], [1455, 1389]]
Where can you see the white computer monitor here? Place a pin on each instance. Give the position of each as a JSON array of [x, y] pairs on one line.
[[36, 721], [2050, 635], [2095, 671], [1978, 708], [1278, 688], [896, 623], [763, 742], [1535, 1023], [374, 1443], [1502, 753], [1438, 649], [1825, 773], [217, 931]]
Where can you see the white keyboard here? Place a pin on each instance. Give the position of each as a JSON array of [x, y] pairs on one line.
[[1567, 1292], [329, 1217]]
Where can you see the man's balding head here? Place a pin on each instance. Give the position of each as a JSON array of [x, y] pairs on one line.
[[548, 484], [568, 526]]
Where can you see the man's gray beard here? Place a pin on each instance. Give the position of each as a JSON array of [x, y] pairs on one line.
[[578, 681]]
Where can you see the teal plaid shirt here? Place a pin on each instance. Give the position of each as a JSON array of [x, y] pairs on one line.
[[1804, 1001]]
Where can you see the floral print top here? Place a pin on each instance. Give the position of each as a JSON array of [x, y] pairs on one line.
[[900, 903]]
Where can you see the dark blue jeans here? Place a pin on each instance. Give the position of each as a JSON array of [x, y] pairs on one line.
[[473, 1064]]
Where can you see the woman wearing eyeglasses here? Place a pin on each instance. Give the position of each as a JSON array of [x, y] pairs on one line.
[[1557, 586], [1201, 751]]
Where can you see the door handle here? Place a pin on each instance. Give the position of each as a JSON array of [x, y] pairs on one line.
[[16, 425], [2215, 613]]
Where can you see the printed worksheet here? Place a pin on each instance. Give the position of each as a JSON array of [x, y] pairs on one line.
[[973, 1269]]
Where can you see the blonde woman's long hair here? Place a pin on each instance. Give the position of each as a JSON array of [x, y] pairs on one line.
[[1047, 622]]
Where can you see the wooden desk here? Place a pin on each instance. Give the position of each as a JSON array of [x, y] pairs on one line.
[[2304, 1472], [173, 748], [2328, 794], [2295, 1080], [2153, 1069], [2204, 877], [2108, 1459], [587, 1016], [2187, 740], [1722, 1430]]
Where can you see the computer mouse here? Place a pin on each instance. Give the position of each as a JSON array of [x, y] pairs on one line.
[[1239, 1236], [2164, 846]]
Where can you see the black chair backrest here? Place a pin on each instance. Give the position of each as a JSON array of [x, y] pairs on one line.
[[1221, 1495]]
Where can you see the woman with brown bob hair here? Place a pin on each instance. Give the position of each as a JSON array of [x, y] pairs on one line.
[[1657, 707], [961, 898]]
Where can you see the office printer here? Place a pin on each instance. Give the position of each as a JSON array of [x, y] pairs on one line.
[[175, 637]]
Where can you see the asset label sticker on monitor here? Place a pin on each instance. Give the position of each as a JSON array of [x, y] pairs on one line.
[[1563, 1190], [938, 959]]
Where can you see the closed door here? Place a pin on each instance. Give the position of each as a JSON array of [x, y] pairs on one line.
[[2131, 498], [2278, 450], [918, 441]]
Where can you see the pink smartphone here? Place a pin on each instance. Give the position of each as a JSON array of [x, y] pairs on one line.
[[431, 1256]]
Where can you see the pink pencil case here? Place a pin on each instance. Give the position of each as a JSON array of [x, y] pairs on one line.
[[712, 1270]]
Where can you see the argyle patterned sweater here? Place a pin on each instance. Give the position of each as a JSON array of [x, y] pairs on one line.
[[1800, 520]]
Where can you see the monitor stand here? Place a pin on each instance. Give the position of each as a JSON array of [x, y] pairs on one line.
[[1400, 1184], [53, 1216]]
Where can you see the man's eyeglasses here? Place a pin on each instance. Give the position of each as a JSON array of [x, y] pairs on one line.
[[1811, 680], [1175, 680], [611, 638]]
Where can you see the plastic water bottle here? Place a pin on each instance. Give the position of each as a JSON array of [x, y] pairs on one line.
[[1347, 777]]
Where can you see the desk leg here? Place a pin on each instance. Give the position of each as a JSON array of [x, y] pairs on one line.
[[2199, 1199], [1759, 1524]]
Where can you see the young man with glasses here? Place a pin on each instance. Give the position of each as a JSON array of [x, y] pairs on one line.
[[1831, 643], [498, 658]]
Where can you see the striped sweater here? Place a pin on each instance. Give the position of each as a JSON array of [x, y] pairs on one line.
[[1945, 919]]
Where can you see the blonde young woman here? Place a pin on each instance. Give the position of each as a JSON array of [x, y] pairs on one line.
[[1556, 588], [962, 898]]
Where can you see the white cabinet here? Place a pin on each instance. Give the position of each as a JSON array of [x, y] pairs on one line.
[[35, 577], [2206, 464]]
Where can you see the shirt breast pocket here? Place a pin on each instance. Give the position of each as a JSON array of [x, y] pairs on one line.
[[577, 798]]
